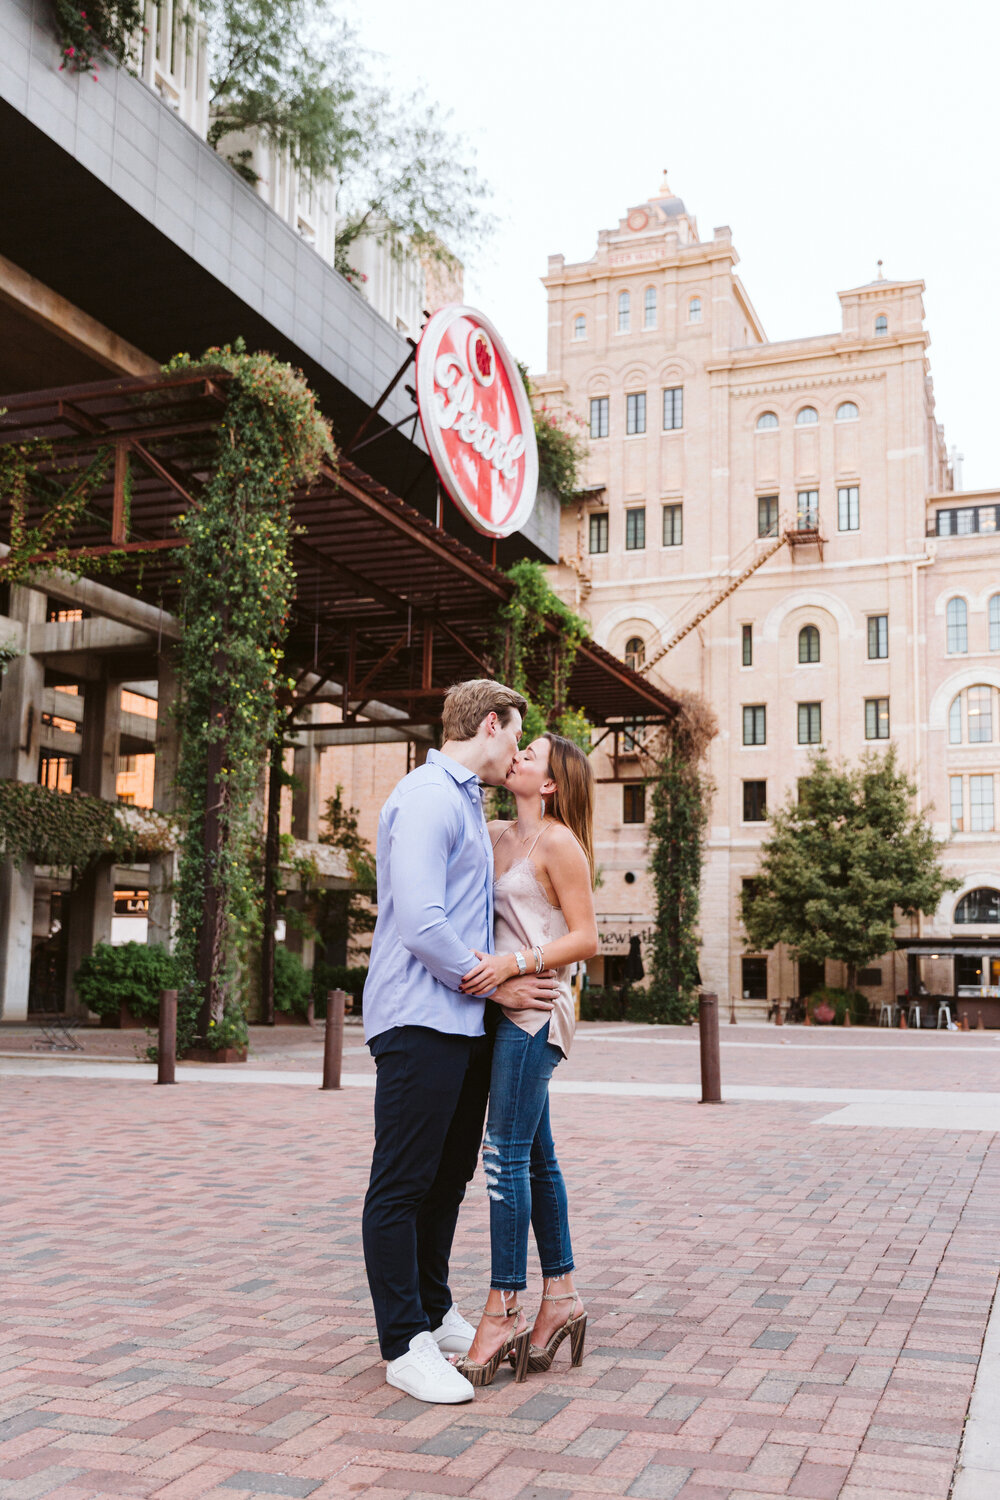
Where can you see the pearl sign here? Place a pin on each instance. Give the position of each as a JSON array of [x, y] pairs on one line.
[[477, 420]]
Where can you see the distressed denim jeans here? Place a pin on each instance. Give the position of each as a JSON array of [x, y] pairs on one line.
[[523, 1179]]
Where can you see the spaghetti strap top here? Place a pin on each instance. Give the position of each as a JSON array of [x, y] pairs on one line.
[[524, 916]]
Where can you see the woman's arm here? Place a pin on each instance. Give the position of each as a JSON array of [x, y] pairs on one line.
[[569, 874]]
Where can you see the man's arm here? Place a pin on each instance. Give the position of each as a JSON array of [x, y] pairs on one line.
[[423, 833]]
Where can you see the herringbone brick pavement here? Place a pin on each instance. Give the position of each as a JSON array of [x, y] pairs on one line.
[[777, 1307]]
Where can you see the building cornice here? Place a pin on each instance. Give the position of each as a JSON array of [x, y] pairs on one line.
[[767, 387]]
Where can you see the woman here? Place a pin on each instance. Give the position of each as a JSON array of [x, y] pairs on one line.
[[544, 921]]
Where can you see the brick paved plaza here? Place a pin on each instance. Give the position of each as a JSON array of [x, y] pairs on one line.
[[782, 1302]]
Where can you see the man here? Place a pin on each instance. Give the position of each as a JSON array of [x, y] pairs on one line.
[[435, 905]]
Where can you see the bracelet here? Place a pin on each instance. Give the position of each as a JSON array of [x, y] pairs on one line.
[[521, 961], [539, 964]]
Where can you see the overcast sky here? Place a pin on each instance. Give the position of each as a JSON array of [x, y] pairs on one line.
[[827, 135]]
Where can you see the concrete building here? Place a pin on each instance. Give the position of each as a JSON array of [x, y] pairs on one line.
[[815, 471]]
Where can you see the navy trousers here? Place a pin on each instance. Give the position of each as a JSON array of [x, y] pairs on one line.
[[431, 1091]]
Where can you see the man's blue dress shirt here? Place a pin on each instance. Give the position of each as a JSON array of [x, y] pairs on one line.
[[434, 866]]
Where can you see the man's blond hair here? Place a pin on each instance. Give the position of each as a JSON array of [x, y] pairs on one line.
[[468, 703]]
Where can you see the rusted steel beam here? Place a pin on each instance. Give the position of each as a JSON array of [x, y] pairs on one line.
[[118, 517]]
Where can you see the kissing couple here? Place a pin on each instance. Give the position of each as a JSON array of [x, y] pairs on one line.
[[467, 1004]]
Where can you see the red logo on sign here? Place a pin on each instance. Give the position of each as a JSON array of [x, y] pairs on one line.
[[477, 420]]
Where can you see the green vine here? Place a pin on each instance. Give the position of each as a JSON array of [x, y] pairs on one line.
[[104, 28], [535, 662], [29, 471], [40, 826], [681, 796], [237, 584]]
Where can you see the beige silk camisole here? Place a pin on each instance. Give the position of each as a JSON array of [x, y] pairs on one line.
[[523, 915]]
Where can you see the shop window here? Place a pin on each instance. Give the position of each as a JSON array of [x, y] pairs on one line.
[[754, 978], [870, 978], [978, 907]]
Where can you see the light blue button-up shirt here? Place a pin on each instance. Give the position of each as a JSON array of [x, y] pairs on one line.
[[434, 867]]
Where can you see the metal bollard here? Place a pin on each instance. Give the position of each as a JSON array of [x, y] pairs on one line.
[[166, 1048], [708, 1030], [333, 1042]]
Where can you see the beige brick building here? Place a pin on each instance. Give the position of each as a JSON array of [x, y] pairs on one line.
[[878, 617]]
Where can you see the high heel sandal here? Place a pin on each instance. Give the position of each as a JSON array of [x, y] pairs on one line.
[[513, 1348], [575, 1327]]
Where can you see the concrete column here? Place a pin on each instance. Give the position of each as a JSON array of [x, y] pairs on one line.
[[163, 867], [305, 825], [20, 726], [91, 904]]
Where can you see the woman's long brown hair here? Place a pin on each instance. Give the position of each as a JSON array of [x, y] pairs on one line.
[[572, 802]]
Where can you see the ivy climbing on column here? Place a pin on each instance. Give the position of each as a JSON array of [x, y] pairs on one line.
[[237, 584]]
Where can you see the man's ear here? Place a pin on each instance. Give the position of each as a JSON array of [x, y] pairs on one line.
[[491, 721]]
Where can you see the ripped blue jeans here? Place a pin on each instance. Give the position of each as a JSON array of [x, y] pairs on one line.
[[523, 1179]]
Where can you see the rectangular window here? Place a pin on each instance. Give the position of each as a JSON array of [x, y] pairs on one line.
[[767, 515], [848, 508], [747, 645], [634, 802], [754, 724], [870, 977], [673, 408], [807, 510], [995, 623], [876, 718], [599, 416], [673, 525], [810, 724], [979, 708], [599, 531], [957, 806], [649, 308], [878, 637], [755, 801], [754, 978], [981, 804], [635, 529], [635, 413]]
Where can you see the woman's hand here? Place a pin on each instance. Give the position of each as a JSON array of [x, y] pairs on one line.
[[492, 969]]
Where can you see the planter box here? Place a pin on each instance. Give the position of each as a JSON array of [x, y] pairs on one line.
[[216, 1055], [291, 1018], [125, 1021]]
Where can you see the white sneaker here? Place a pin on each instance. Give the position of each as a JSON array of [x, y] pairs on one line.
[[455, 1334], [424, 1372]]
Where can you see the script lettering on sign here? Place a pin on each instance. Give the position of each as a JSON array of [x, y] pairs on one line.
[[477, 420]]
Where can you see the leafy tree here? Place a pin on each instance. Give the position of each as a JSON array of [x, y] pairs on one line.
[[842, 862], [342, 915], [562, 446], [294, 71]]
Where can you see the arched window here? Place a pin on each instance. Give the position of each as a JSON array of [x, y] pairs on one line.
[[624, 312], [649, 308], [765, 420], [694, 310], [881, 325], [974, 716], [978, 906], [580, 327], [958, 627], [635, 652], [806, 416], [847, 412], [995, 623], [808, 644]]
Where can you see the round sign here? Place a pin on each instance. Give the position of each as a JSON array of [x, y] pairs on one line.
[[477, 420]]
